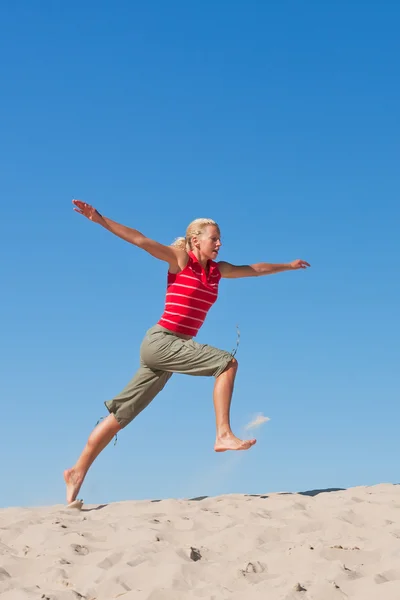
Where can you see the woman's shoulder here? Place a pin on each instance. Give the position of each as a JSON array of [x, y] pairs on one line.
[[182, 261], [215, 269]]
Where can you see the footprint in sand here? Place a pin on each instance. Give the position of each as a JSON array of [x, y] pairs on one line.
[[391, 575], [253, 568], [110, 561], [81, 550], [3, 574]]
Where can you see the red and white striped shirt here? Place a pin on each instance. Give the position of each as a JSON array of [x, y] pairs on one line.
[[190, 295]]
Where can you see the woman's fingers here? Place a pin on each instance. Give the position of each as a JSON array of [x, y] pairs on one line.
[[81, 205], [300, 264], [83, 208]]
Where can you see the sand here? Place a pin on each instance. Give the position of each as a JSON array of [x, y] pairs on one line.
[[331, 545]]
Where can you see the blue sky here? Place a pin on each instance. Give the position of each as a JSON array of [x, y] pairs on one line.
[[278, 120]]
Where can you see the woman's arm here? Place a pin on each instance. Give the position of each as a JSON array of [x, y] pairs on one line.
[[233, 271], [171, 255]]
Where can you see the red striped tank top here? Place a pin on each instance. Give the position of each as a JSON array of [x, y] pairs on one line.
[[190, 295]]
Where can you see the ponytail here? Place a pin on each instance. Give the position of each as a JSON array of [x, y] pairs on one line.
[[179, 243]]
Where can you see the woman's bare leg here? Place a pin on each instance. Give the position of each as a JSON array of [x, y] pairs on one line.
[[100, 437], [223, 390]]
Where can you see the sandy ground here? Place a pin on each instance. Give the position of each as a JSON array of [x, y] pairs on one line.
[[309, 546]]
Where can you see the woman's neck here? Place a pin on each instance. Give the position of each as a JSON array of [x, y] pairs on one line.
[[202, 260]]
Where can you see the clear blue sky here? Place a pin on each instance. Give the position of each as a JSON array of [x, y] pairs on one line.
[[278, 119]]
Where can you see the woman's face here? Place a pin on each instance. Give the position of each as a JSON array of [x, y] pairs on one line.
[[209, 242]]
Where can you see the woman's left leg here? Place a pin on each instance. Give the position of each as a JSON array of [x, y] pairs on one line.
[[100, 437]]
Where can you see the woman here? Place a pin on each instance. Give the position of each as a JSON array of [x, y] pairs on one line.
[[168, 347]]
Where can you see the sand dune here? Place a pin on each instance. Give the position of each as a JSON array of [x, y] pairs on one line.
[[322, 546]]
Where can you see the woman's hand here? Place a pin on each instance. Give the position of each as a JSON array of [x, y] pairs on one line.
[[88, 211], [299, 264]]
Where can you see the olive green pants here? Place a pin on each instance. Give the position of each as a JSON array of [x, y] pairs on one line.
[[163, 353]]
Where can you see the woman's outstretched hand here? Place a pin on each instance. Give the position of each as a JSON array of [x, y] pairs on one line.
[[88, 211], [299, 264]]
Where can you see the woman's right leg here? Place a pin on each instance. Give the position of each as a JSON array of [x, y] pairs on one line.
[[177, 355], [139, 392], [223, 390]]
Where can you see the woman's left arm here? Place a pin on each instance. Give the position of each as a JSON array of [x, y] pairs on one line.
[[233, 271]]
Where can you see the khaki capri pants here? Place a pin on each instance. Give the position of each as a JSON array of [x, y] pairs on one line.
[[163, 353]]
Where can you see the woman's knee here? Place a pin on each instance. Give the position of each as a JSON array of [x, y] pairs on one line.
[[231, 366]]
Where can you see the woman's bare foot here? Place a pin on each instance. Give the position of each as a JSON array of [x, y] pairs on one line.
[[228, 441], [74, 482]]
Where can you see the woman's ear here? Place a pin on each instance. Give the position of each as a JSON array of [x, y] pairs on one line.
[[195, 242]]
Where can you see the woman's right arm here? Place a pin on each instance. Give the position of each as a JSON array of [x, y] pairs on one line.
[[169, 254]]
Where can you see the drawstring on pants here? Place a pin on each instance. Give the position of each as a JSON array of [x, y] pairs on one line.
[[116, 435], [237, 341]]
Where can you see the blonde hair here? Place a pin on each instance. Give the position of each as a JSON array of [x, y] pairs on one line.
[[196, 227]]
